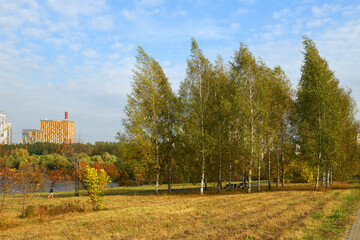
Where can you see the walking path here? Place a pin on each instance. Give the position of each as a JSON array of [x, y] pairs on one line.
[[354, 232]]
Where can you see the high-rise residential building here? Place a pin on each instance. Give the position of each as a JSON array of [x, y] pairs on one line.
[[5, 130], [58, 131], [32, 136]]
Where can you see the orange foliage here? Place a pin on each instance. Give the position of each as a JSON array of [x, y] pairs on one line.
[[54, 175], [123, 178], [59, 174], [81, 171], [112, 171], [97, 166]]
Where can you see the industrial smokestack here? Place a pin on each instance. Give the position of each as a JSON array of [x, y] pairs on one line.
[[66, 115]]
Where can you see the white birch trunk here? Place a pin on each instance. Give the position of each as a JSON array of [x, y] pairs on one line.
[[220, 179], [157, 168], [317, 178], [249, 181], [202, 175], [324, 177], [331, 178], [259, 171], [328, 178], [251, 142], [202, 138], [283, 154]]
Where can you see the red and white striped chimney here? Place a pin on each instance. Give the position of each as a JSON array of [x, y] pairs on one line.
[[66, 115]]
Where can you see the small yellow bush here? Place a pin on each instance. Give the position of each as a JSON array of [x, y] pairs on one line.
[[95, 182]]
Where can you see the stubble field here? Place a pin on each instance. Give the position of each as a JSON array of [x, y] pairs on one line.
[[295, 212]]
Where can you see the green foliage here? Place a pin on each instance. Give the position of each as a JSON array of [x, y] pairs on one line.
[[149, 116], [196, 114], [54, 160], [323, 114], [99, 148], [95, 182]]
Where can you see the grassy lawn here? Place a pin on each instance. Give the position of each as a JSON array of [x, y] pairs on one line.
[[295, 212]]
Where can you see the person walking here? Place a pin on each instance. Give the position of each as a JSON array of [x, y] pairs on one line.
[[51, 192]]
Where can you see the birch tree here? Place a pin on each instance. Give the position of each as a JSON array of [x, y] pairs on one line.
[[148, 110], [245, 74], [313, 109], [194, 97], [280, 102]]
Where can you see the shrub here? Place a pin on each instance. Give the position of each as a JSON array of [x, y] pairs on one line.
[[95, 182]]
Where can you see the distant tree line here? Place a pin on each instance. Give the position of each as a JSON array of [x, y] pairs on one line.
[[99, 148], [239, 120]]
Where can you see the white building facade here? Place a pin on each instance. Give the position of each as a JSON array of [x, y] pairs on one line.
[[5, 130]]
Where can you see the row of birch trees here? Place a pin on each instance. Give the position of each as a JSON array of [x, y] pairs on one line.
[[239, 118]]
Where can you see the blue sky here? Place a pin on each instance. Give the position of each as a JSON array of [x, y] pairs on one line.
[[77, 55]]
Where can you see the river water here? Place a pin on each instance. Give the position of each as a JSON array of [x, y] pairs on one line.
[[60, 187], [64, 186]]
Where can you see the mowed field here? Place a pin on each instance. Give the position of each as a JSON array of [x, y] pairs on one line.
[[295, 212]]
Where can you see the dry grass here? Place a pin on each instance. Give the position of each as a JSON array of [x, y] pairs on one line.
[[296, 212]]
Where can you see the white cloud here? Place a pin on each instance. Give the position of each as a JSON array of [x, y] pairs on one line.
[[71, 8], [179, 13], [247, 2], [61, 60], [123, 48], [144, 8], [242, 11], [148, 3], [56, 27], [117, 45], [235, 26], [272, 31], [34, 33], [317, 22], [102, 23], [166, 63], [13, 14], [75, 46], [284, 13], [10, 22], [129, 15], [285, 53], [55, 41], [113, 56], [175, 74], [325, 10], [90, 53]]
